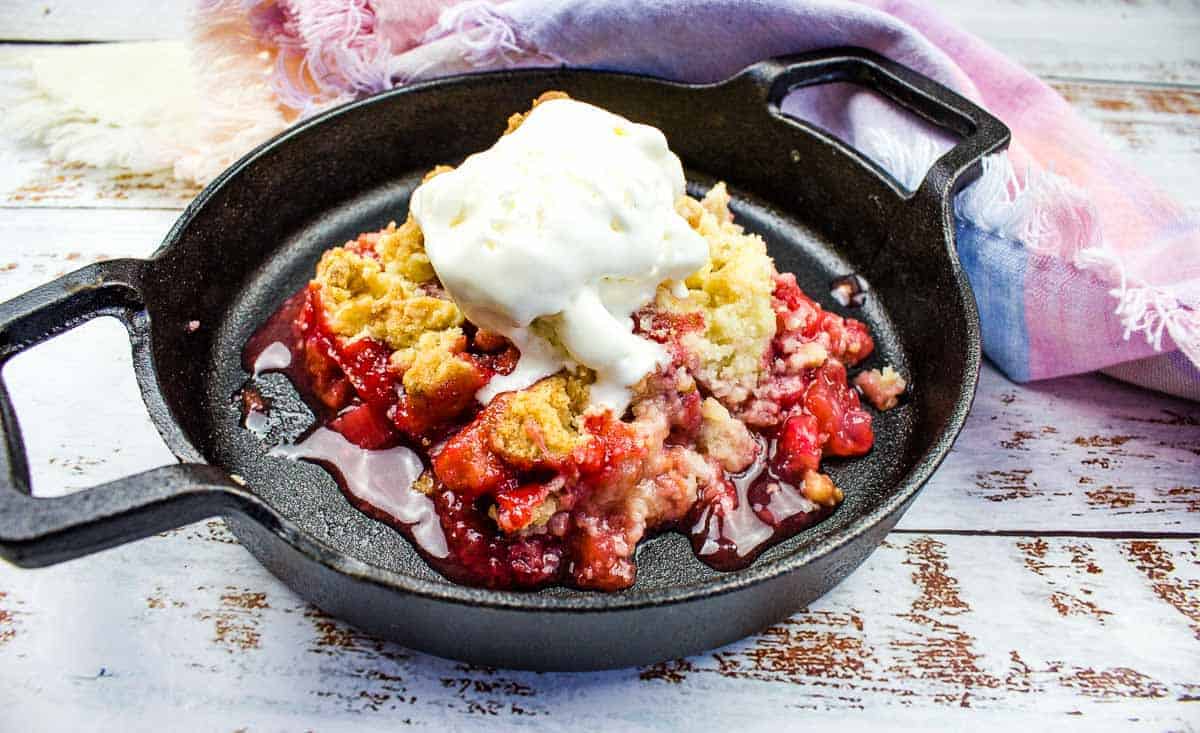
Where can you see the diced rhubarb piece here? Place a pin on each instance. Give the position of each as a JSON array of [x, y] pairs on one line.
[[600, 555], [365, 362], [613, 453], [849, 340], [838, 412], [668, 329], [515, 507], [799, 315], [365, 426], [481, 556], [881, 388], [467, 464], [329, 383], [798, 447]]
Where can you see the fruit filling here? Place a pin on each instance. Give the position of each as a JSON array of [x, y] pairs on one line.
[[553, 476]]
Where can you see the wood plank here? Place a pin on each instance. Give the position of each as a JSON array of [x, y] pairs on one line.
[[985, 632], [1138, 41], [81, 20], [1155, 128], [71, 392], [1084, 453]]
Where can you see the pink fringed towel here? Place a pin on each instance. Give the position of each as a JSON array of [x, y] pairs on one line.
[[1077, 261]]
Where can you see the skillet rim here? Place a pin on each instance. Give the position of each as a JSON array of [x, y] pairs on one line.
[[445, 590]]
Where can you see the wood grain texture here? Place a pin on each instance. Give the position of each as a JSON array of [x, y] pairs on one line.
[[1067, 621], [1084, 453], [84, 20], [1155, 127], [1127, 40], [986, 632]]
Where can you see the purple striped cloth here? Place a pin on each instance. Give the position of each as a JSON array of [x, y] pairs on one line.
[[1078, 262]]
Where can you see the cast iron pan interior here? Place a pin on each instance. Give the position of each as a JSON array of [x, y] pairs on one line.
[[253, 237]]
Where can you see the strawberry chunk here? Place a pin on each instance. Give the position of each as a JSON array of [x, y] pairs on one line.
[[365, 363], [838, 412], [467, 464], [515, 507], [798, 448], [366, 427]]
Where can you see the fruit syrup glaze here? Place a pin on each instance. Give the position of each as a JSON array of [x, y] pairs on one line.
[[376, 444]]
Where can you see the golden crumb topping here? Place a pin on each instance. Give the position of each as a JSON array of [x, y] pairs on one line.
[[402, 250], [820, 489], [540, 423], [432, 361], [383, 298], [515, 120], [724, 437], [733, 292]]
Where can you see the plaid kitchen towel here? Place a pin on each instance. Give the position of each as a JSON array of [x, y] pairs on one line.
[[1078, 262]]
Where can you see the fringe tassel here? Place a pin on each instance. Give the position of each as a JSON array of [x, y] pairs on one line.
[[1052, 216], [487, 36], [485, 32], [59, 106], [237, 105], [1147, 310]]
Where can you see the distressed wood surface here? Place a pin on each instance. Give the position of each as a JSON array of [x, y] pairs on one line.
[[1127, 40], [1049, 574], [1090, 634], [86, 20]]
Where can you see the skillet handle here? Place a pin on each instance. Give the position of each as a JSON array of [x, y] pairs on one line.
[[981, 133], [38, 531]]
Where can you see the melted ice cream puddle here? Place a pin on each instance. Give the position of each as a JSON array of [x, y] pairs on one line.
[[275, 357], [571, 219], [381, 478]]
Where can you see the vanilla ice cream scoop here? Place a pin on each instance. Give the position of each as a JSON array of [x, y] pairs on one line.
[[570, 218]]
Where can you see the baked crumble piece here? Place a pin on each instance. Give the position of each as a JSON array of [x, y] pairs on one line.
[[541, 486]]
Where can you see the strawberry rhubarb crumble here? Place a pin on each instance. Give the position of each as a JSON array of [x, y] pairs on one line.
[[559, 352]]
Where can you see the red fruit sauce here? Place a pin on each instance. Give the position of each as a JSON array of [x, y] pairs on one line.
[[377, 441]]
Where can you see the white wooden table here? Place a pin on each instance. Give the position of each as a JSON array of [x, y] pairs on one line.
[[1048, 576]]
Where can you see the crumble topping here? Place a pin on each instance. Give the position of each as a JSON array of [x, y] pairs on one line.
[[732, 293], [382, 286], [725, 438], [516, 118], [541, 423], [881, 388], [432, 362], [546, 482]]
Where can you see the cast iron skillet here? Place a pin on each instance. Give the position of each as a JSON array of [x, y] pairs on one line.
[[253, 236]]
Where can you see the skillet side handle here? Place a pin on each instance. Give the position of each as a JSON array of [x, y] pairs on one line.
[[38, 531], [981, 133]]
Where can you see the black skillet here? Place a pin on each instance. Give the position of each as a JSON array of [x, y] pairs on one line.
[[252, 238]]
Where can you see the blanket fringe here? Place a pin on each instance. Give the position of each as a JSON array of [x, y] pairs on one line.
[[1049, 215], [79, 127], [238, 109], [1147, 310], [487, 35]]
